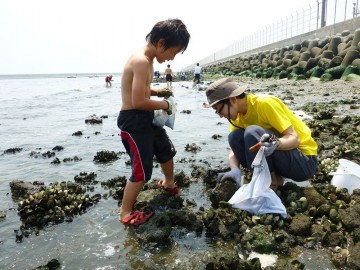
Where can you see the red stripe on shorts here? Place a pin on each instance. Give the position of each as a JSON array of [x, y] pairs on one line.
[[138, 169]]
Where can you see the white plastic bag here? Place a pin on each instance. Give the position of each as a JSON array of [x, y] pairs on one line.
[[257, 197], [161, 117]]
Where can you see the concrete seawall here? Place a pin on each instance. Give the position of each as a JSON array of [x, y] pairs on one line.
[[330, 30]]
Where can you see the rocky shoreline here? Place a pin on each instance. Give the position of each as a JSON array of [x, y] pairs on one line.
[[328, 58], [320, 216]]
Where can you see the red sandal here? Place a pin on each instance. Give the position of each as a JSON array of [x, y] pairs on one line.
[[173, 191], [136, 218]]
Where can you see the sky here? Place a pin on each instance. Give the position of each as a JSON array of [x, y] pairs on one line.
[[88, 36]]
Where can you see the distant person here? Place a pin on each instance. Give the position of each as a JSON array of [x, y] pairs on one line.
[[169, 76], [182, 76], [197, 73], [141, 139], [108, 80], [156, 76]]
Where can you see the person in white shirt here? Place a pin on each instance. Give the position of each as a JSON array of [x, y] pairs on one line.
[[197, 73]]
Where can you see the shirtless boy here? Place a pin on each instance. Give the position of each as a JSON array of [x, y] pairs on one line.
[[169, 76], [141, 139]]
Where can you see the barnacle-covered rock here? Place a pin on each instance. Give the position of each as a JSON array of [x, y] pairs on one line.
[[22, 189], [300, 225], [85, 178], [12, 150], [350, 217], [93, 119], [193, 147], [55, 203], [105, 156]]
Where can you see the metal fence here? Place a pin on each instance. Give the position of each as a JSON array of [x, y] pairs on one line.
[[322, 14]]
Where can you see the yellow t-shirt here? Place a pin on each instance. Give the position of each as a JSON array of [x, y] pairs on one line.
[[271, 113]]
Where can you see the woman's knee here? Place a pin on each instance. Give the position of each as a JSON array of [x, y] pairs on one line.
[[254, 131], [235, 137]]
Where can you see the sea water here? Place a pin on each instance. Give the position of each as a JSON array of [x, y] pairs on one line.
[[38, 113]]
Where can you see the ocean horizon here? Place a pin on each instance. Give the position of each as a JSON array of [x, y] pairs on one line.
[[57, 75]]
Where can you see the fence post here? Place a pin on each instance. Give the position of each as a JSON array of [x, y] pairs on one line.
[[310, 17], [263, 37], [323, 13], [273, 32], [335, 12], [297, 24], [345, 10], [317, 15], [303, 28]]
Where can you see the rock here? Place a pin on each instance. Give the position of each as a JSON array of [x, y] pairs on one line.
[[313, 197], [354, 258], [350, 217], [228, 260], [53, 264], [333, 239], [300, 225], [21, 189], [85, 178], [93, 119], [156, 231], [223, 191], [105, 156], [12, 150]]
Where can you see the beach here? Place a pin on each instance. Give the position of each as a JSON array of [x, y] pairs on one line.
[[40, 113]]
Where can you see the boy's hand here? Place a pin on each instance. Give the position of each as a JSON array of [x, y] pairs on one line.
[[170, 102], [164, 92]]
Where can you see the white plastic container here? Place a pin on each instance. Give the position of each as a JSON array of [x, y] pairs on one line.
[[347, 175]]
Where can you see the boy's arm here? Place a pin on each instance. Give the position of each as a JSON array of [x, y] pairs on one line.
[[140, 99], [153, 92]]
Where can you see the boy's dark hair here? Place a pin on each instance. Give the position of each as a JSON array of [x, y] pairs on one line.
[[173, 31]]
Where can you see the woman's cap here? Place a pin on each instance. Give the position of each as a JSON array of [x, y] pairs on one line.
[[223, 89]]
